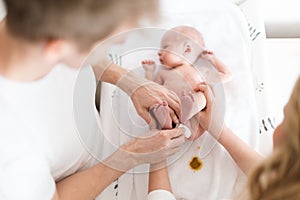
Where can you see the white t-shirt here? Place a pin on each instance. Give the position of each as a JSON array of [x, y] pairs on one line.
[[46, 132]]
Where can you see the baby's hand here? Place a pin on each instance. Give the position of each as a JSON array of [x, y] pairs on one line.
[[207, 55], [149, 65]]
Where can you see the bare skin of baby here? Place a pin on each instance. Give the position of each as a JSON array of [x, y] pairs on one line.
[[181, 80], [180, 47]]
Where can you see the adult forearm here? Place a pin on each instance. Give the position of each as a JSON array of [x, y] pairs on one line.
[[109, 72], [245, 157], [159, 178], [116, 75], [88, 184]]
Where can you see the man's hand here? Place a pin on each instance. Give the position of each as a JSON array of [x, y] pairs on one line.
[[145, 96], [143, 93]]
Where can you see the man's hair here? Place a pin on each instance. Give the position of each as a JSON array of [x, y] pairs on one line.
[[84, 21]]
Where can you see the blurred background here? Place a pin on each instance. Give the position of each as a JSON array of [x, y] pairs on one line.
[[282, 23]]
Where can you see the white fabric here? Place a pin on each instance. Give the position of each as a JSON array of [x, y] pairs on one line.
[[41, 139], [160, 195], [238, 2], [225, 31], [24, 171], [260, 75], [187, 131]]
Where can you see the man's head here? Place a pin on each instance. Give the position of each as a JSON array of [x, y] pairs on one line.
[[83, 21], [80, 22], [181, 41]]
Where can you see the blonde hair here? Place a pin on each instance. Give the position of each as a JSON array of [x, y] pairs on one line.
[[278, 178]]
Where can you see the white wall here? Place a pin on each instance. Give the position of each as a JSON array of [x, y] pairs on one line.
[[283, 57], [282, 22], [282, 18]]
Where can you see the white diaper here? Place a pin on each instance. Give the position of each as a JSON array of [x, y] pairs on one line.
[[160, 195], [187, 132]]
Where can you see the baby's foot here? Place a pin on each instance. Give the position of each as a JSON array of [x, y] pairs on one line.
[[162, 116], [187, 101], [148, 65]]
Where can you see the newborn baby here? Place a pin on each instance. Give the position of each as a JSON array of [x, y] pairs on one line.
[[180, 49]]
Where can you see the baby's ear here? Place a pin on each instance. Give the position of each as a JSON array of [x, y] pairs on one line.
[[187, 48]]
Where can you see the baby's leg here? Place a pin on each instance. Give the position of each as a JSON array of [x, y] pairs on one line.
[[195, 130], [187, 104], [191, 104], [162, 116]]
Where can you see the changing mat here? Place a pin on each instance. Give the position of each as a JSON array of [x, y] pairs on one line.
[[225, 31]]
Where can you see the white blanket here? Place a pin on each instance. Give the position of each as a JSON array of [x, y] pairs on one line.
[[225, 31], [254, 16]]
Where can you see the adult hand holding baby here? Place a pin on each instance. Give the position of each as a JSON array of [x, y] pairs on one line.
[[151, 94], [143, 93], [155, 146], [209, 120]]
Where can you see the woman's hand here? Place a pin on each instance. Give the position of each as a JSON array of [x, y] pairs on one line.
[[205, 114], [210, 119], [89, 183], [155, 146]]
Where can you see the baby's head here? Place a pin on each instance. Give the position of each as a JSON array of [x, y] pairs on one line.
[[181, 43]]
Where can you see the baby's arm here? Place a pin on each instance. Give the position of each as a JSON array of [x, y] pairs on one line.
[[149, 67], [159, 78], [222, 69]]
